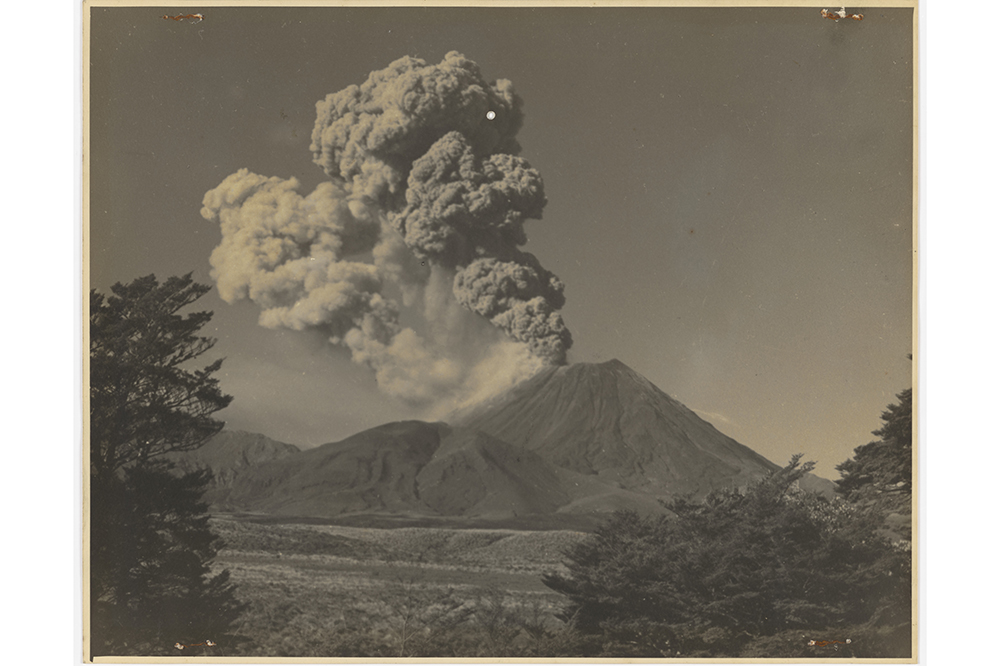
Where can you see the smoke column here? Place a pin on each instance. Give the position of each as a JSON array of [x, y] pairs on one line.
[[427, 205]]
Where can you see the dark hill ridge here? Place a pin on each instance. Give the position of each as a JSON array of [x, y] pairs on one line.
[[608, 420], [374, 470], [475, 474], [570, 442], [409, 467], [229, 454]]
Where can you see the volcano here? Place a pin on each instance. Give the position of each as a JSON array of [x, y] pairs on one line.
[[605, 419], [583, 439]]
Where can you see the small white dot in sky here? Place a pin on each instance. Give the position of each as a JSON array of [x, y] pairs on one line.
[[490, 115]]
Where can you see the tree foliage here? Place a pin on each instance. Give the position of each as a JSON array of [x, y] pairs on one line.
[[151, 579], [150, 544], [880, 475], [742, 565], [145, 400]]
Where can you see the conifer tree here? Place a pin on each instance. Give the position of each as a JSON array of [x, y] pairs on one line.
[[145, 399], [151, 548], [880, 474]]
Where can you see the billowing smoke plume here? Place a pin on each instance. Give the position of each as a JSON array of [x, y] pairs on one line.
[[427, 205], [370, 135]]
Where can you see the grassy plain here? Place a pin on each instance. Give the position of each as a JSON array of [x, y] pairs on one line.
[[332, 590]]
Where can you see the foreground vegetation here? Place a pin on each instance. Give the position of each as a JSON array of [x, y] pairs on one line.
[[755, 571], [749, 572], [151, 549], [316, 590]]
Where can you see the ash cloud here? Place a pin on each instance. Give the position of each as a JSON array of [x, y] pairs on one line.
[[370, 135], [426, 207]]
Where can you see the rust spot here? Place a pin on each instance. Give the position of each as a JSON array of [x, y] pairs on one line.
[[836, 16], [194, 18]]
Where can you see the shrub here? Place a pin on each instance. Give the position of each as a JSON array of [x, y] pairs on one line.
[[742, 565]]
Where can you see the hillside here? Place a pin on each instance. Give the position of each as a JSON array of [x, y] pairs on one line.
[[374, 470], [229, 454], [607, 420], [578, 441], [474, 474]]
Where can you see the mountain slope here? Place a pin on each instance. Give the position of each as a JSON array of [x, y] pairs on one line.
[[574, 441], [607, 420], [474, 474], [229, 454], [410, 467], [374, 470]]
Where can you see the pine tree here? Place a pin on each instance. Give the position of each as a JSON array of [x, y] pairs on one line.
[[880, 475], [145, 400], [151, 576], [878, 482], [150, 544]]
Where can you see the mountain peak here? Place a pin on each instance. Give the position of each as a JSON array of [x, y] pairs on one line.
[[607, 419], [613, 367], [610, 364], [580, 440]]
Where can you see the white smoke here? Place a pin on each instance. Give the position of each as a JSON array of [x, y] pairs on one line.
[[427, 207]]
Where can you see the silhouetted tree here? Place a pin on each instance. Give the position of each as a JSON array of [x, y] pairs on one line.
[[878, 482], [151, 578], [144, 399], [150, 543], [880, 475]]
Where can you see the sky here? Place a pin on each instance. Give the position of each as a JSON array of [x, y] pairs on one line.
[[729, 195]]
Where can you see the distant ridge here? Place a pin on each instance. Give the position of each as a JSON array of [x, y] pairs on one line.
[[405, 467], [229, 454], [570, 444], [372, 471]]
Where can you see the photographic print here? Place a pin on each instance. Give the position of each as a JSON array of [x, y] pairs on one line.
[[525, 331]]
